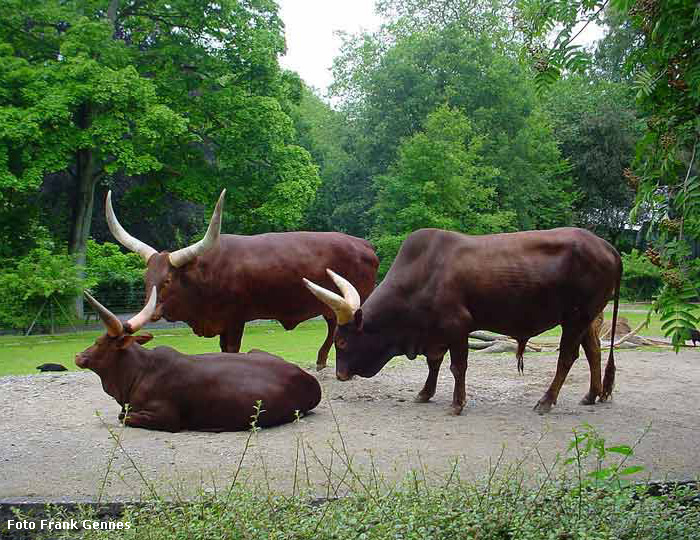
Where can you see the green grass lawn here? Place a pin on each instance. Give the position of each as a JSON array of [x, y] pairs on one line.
[[21, 355]]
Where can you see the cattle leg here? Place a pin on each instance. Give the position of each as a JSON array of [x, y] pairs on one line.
[[230, 341], [431, 382], [158, 417], [568, 352], [591, 346], [458, 367], [326, 347]]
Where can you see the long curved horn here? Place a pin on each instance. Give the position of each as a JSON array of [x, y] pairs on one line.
[[210, 240], [114, 325], [350, 293], [134, 324], [123, 237], [344, 312]]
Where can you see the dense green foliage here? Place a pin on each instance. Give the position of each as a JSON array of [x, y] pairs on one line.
[[641, 280], [653, 43], [169, 99], [117, 277], [416, 512], [438, 181], [392, 80], [437, 122], [595, 124], [40, 285]]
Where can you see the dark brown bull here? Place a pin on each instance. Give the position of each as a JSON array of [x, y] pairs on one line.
[[225, 280], [170, 391], [444, 285]]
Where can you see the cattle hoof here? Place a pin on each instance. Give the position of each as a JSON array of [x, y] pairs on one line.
[[588, 399], [422, 398], [456, 410], [604, 397], [320, 367], [543, 406]]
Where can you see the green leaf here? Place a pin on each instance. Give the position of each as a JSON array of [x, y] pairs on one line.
[[624, 450], [631, 470]]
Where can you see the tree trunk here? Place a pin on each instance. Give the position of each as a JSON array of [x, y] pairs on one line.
[[86, 178]]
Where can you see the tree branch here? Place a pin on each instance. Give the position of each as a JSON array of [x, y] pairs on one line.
[[112, 11]]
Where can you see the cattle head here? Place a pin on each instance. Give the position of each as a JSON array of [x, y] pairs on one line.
[[360, 349], [105, 351], [171, 273]]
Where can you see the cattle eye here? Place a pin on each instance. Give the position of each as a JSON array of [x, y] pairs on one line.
[[341, 343]]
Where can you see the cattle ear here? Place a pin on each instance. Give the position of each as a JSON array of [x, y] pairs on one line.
[[358, 319], [126, 340], [143, 338]]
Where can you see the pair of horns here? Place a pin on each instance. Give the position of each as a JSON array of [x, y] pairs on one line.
[[344, 306], [177, 258], [115, 327]]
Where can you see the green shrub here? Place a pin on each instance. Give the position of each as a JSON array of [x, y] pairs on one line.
[[40, 283], [641, 280], [117, 276], [45, 282]]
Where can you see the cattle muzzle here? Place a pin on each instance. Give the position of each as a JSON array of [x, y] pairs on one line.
[[81, 361], [343, 375]]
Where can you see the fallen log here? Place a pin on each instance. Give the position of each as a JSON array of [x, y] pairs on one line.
[[483, 336], [491, 338], [478, 345], [629, 335]]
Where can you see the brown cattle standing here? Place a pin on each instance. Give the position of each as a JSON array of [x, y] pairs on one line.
[[170, 391], [444, 285], [226, 280]]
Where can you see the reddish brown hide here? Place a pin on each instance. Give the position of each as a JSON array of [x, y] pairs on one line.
[[170, 391], [443, 285], [259, 277], [236, 279]]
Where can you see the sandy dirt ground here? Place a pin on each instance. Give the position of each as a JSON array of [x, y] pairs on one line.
[[53, 444]]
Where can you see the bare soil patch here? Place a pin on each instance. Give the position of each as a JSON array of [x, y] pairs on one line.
[[52, 444]]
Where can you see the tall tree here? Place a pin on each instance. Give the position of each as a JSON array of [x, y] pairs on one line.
[[597, 128], [664, 59], [438, 180], [390, 83], [187, 95], [79, 107]]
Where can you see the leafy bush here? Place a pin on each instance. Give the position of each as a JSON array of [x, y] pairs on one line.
[[40, 283], [46, 283], [117, 276], [641, 280]]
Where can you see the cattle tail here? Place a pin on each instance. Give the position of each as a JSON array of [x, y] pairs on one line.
[[609, 377]]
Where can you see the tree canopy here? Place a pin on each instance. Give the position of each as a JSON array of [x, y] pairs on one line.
[[471, 115]]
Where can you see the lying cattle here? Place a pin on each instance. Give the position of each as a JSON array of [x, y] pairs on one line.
[[51, 367], [444, 285], [225, 280], [170, 391]]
